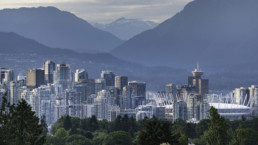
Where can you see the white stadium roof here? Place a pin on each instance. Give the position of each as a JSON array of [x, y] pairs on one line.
[[228, 106]]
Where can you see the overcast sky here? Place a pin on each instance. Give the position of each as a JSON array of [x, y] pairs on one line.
[[105, 11]]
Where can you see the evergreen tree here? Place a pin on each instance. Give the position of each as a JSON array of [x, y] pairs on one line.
[[67, 122], [94, 123], [156, 132], [44, 124], [19, 125], [217, 133], [118, 138]]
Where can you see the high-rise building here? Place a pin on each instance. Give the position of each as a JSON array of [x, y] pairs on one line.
[[121, 81], [179, 110], [139, 93], [6, 75], [80, 74], [62, 75], [192, 106], [240, 95], [34, 78], [109, 76], [49, 68], [73, 100], [2, 74], [126, 98], [100, 84], [171, 91], [201, 85], [85, 88]]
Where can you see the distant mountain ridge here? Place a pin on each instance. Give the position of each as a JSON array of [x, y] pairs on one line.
[[55, 28], [126, 28], [218, 33]]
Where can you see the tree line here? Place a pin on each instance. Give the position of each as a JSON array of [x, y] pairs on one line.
[[20, 126]]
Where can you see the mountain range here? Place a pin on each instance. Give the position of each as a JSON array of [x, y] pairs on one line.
[[58, 29], [217, 33], [126, 28]]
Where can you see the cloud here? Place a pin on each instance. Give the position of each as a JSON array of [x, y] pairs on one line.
[[104, 11]]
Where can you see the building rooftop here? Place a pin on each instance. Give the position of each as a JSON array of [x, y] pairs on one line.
[[228, 106]]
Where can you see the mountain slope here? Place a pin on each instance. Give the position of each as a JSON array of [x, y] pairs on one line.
[[126, 28], [56, 28], [218, 33]]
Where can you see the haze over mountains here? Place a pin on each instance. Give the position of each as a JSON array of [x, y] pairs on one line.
[[55, 28], [218, 33], [126, 28]]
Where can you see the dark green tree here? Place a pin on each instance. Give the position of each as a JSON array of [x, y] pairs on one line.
[[201, 127], [44, 125], [118, 138], [67, 122], [156, 132], [93, 124], [179, 133], [217, 133], [19, 125]]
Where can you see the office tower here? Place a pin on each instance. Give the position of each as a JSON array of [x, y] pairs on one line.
[[62, 75], [196, 107], [126, 98], [60, 108], [2, 74], [139, 93], [201, 85], [100, 84], [13, 93], [43, 101], [139, 88], [113, 112], [34, 78], [160, 113], [121, 81], [49, 68], [73, 100], [85, 87], [143, 111], [101, 104], [171, 90], [193, 106], [179, 110], [80, 74], [240, 95], [109, 76], [6, 75], [21, 77]]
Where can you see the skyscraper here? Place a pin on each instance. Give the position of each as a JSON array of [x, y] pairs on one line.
[[121, 81], [109, 76], [6, 75], [139, 92], [49, 68], [201, 85], [171, 90], [62, 75], [34, 78], [80, 74]]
